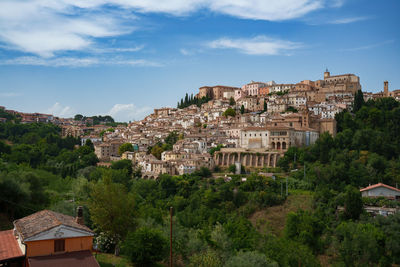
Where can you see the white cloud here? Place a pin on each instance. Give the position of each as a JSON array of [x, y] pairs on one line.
[[348, 20], [113, 50], [185, 52], [260, 45], [61, 111], [128, 112], [273, 10], [78, 61], [367, 47], [9, 94], [47, 27]]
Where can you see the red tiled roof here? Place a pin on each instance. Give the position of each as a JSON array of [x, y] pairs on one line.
[[9, 247], [75, 259], [379, 185]]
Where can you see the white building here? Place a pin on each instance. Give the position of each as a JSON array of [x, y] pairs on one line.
[[381, 190]]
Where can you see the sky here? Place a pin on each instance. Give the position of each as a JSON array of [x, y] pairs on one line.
[[126, 57]]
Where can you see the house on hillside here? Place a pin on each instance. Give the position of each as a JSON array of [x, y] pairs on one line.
[[381, 190], [48, 238]]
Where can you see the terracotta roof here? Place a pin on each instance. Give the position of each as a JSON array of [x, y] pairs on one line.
[[379, 185], [77, 259], [44, 220], [9, 247]]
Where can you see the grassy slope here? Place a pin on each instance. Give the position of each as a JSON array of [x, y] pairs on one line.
[[273, 219], [110, 260]]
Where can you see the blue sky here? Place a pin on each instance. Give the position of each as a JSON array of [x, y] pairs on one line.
[[126, 57]]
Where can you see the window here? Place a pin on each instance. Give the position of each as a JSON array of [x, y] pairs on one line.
[[59, 245]]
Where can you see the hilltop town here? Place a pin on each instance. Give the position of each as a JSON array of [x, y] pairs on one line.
[[252, 126], [238, 161]]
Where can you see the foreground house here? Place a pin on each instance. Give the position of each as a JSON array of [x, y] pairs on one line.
[[48, 238]]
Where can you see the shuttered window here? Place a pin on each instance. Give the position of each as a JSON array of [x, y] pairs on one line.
[[59, 245]]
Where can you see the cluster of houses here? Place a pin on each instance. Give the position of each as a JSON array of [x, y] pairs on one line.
[[269, 118], [275, 117]]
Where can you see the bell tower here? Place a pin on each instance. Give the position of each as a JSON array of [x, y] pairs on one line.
[[385, 88], [327, 74]]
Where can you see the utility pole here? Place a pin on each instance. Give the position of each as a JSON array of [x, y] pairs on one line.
[[170, 239], [286, 187]]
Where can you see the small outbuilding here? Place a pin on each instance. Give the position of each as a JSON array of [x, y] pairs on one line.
[[381, 190]]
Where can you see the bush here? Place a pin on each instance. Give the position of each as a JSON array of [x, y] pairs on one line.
[[145, 246], [250, 258]]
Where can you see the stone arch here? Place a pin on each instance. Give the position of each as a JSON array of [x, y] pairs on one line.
[[265, 160], [273, 145], [271, 160], [247, 162], [235, 157], [260, 160], [232, 158], [278, 145], [253, 160], [277, 158], [283, 145]]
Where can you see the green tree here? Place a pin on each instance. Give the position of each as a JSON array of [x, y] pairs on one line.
[[250, 258], [358, 101], [353, 205], [112, 209], [229, 112], [156, 151], [304, 227], [360, 244], [242, 109], [209, 258], [292, 109], [232, 101], [89, 143], [145, 246], [78, 117], [217, 148], [232, 168], [124, 164], [125, 147]]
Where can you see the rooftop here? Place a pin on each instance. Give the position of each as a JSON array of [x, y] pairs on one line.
[[44, 220], [379, 185], [9, 248]]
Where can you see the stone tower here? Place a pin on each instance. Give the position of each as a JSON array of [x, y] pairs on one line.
[[327, 74], [385, 88]]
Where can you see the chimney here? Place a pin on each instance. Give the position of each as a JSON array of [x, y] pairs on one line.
[[386, 88], [79, 215]]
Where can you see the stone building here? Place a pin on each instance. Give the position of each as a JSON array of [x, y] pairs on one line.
[[217, 92]]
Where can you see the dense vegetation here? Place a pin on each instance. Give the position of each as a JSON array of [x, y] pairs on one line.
[[365, 151], [96, 120], [165, 145], [212, 216]]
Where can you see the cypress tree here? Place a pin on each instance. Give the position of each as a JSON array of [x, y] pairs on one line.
[[358, 101]]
